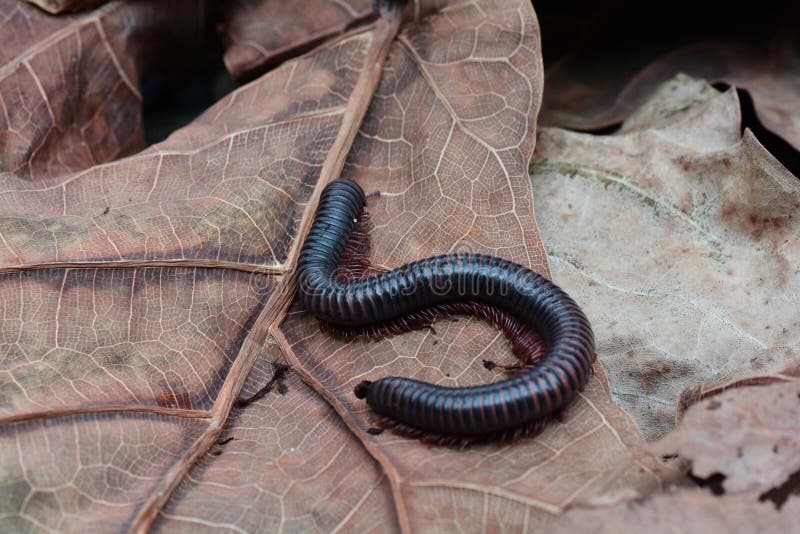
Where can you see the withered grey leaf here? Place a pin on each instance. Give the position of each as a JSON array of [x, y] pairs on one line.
[[749, 435], [680, 236]]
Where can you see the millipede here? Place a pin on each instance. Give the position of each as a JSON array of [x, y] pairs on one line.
[[517, 405]]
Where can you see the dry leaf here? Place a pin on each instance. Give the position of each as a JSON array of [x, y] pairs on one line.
[[258, 34], [138, 295], [69, 86], [686, 511], [680, 237], [284, 463], [250, 50], [748, 435], [582, 95], [703, 391], [746, 443]]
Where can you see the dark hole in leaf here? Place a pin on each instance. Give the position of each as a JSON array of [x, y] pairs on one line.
[[781, 494], [713, 482]]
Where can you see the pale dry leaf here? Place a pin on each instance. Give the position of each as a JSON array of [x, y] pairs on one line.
[[699, 392], [686, 511], [259, 34], [681, 241], [749, 435]]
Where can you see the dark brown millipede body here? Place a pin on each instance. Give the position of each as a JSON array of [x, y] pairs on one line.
[[464, 411]]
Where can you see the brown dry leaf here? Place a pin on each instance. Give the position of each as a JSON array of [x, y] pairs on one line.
[[257, 34], [69, 86], [749, 435], [681, 238], [286, 462], [250, 50], [584, 95], [138, 295], [686, 511]]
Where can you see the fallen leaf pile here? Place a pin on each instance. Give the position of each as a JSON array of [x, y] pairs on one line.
[[157, 374]]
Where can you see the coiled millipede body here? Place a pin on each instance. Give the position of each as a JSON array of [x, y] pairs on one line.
[[486, 410]]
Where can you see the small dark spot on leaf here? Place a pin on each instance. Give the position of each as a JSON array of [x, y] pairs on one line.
[[775, 449], [489, 364], [713, 405], [375, 431], [226, 440], [283, 388], [105, 211]]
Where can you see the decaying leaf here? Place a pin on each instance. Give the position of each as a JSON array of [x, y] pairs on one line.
[[680, 236], [749, 435], [582, 94]]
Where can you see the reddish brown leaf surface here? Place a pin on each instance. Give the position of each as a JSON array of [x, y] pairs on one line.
[[586, 95], [69, 86], [138, 295], [260, 33], [134, 346], [680, 236]]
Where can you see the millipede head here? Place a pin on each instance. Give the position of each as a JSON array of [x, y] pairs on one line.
[[361, 389]]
